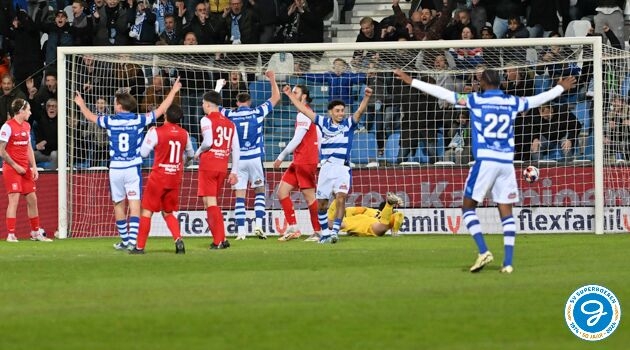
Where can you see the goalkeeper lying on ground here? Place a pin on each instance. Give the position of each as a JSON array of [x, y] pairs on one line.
[[369, 222]]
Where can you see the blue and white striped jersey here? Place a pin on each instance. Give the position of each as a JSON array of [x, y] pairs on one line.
[[125, 137], [249, 127], [492, 115], [336, 139]]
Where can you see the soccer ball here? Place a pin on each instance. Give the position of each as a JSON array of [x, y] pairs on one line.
[[531, 174]]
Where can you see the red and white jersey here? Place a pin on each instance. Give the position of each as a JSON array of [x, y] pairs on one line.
[[18, 139], [307, 152], [170, 142], [224, 139]]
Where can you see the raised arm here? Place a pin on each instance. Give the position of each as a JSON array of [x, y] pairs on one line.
[[431, 89], [89, 115], [564, 84], [168, 100], [298, 104], [275, 91], [363, 106]]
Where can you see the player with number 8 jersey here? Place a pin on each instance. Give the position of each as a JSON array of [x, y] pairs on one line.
[[125, 130], [219, 141]]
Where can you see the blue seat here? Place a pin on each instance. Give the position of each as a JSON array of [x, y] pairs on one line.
[[625, 86], [392, 148], [363, 148]]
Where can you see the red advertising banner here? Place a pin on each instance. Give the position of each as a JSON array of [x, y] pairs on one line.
[[420, 187]]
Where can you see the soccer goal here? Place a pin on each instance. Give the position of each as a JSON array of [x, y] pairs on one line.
[[408, 142]]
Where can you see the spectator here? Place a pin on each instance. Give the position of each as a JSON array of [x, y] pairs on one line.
[[505, 9], [478, 16], [268, 12], [128, 76], [172, 34], [373, 31], [610, 14], [374, 119], [617, 131], [234, 86], [460, 20], [7, 13], [91, 142], [155, 95], [194, 83], [207, 30], [27, 49], [143, 30], [42, 95], [111, 23], [442, 76], [467, 58], [426, 26], [418, 5], [37, 10], [94, 79], [305, 25], [82, 24], [9, 94], [161, 9], [95, 5], [419, 120], [340, 82], [46, 136], [458, 149], [542, 18], [516, 82], [241, 26], [554, 126], [59, 34], [516, 29]]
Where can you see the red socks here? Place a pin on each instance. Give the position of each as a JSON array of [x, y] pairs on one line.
[[34, 223], [215, 220], [173, 226], [11, 225], [289, 212], [312, 210], [143, 232]]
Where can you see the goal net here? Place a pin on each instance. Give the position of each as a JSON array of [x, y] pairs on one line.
[[408, 142]]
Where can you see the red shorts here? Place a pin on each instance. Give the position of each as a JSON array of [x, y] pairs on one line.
[[301, 175], [16, 183], [210, 183], [157, 198]]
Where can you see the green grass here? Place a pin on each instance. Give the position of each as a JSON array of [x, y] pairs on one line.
[[404, 293]]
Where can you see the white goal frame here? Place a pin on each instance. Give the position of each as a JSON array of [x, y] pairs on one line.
[[595, 42]]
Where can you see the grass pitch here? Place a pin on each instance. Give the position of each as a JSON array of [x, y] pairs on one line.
[[412, 292]]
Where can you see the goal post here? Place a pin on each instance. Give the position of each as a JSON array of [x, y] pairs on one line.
[[417, 162]]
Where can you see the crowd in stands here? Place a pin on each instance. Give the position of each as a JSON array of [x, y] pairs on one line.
[[419, 123]]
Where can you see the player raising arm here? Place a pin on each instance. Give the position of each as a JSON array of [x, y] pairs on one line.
[[125, 130], [171, 143], [219, 140], [19, 169], [334, 175], [301, 173], [492, 115], [249, 127]]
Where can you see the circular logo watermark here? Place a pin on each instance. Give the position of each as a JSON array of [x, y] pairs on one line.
[[592, 312]]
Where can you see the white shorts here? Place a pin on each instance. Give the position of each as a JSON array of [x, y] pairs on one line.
[[250, 170], [125, 183], [499, 177], [333, 178]]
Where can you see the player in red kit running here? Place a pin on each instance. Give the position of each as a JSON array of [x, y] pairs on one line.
[[302, 171], [219, 140], [19, 169], [170, 143]]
